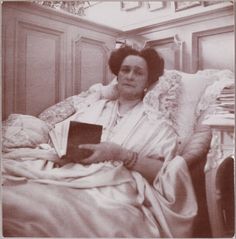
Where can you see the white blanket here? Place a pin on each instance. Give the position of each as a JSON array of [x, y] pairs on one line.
[[105, 199], [102, 200]]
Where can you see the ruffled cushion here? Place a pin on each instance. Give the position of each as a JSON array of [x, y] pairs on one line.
[[162, 100], [195, 95], [198, 144]]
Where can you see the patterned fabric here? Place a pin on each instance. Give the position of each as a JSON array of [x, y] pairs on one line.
[[162, 100], [23, 131], [58, 112], [72, 104]]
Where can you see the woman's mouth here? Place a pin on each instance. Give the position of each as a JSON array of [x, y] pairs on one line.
[[128, 85]]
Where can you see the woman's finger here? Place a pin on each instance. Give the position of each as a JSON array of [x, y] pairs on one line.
[[92, 147], [91, 159]]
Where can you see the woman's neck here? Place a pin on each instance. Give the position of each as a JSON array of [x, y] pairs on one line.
[[125, 105]]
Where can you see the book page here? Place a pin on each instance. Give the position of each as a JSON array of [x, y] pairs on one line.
[[59, 136], [53, 136]]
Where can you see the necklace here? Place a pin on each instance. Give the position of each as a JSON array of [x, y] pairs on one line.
[[119, 116]]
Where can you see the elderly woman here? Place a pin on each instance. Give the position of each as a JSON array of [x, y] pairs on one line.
[[138, 146]]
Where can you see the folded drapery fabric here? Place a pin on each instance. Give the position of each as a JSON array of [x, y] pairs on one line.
[[78, 201]]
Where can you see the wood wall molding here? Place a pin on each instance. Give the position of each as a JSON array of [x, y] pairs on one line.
[[43, 49], [197, 36], [31, 65], [64, 17], [4, 73], [49, 56], [80, 63], [174, 22], [156, 42], [174, 46]]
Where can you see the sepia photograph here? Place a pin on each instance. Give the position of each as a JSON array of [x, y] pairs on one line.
[[118, 119]]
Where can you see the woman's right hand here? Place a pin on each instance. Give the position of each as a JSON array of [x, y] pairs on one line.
[[105, 151]]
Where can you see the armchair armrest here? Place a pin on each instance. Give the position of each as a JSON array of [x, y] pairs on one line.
[[199, 144], [62, 110], [58, 112], [195, 154]]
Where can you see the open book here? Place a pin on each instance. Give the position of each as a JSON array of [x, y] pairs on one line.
[[68, 135]]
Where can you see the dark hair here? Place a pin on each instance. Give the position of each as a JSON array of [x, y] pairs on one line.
[[154, 61]]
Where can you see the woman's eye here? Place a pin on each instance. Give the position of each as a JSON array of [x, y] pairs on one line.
[[125, 70], [139, 72]]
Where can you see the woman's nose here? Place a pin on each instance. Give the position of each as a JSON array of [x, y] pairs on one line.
[[130, 75]]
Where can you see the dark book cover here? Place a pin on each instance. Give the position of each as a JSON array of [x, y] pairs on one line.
[[81, 133]]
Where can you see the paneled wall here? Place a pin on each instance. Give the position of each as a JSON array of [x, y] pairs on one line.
[[38, 67], [171, 50], [48, 56], [194, 42], [214, 48], [91, 57]]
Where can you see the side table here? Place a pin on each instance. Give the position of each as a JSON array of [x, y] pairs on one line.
[[220, 157]]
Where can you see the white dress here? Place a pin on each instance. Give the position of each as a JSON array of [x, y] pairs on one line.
[[104, 199]]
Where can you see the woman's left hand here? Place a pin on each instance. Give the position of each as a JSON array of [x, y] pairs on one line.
[[105, 151]]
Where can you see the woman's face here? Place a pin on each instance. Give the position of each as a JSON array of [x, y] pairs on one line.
[[133, 77]]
